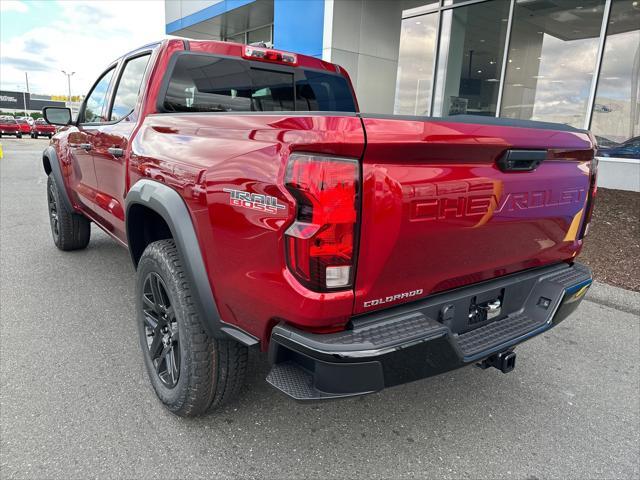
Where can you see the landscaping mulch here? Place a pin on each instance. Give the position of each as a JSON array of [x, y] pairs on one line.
[[612, 248]]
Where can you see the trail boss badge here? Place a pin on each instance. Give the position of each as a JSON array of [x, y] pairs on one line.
[[253, 201]]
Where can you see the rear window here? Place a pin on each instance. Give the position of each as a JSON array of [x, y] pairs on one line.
[[205, 83]]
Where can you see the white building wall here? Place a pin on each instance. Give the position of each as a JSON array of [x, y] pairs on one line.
[[192, 6], [177, 9], [363, 36], [619, 173], [172, 10]]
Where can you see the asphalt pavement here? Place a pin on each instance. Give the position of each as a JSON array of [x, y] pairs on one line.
[[75, 401]]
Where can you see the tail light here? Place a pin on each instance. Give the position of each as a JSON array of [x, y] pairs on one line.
[[269, 55], [320, 243], [593, 190]]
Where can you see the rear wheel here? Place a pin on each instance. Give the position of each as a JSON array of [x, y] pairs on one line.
[[70, 231], [189, 371], [18, 135], [50, 136]]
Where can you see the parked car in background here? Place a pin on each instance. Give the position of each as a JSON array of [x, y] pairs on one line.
[[628, 149], [24, 126], [9, 126], [28, 119], [42, 128]]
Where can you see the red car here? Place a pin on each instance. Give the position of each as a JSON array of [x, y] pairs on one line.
[[262, 210], [24, 126], [9, 126], [41, 127]]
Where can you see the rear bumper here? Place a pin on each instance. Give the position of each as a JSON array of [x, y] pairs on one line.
[[418, 340]]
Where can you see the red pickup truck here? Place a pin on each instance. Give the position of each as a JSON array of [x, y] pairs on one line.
[[41, 128], [9, 126], [361, 251]]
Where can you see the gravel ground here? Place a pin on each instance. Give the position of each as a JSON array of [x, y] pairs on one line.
[[75, 402], [612, 248]]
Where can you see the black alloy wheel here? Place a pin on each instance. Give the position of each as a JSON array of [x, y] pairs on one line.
[[161, 328], [53, 213]]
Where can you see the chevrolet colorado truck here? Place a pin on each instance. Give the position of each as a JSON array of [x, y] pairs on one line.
[[261, 209]]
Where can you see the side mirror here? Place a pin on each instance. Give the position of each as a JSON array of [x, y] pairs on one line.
[[57, 115]]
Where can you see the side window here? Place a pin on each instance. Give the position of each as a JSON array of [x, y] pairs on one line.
[[319, 91], [96, 100], [129, 87]]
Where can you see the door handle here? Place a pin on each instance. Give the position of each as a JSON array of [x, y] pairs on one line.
[[115, 151], [84, 146], [521, 160]]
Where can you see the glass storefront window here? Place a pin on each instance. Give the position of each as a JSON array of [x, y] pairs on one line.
[[616, 112], [260, 35], [469, 63], [552, 59], [415, 65], [237, 38]]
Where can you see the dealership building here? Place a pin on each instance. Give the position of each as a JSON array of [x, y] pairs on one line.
[[569, 61], [24, 102]]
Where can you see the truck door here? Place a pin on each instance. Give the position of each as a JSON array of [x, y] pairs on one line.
[[111, 141], [83, 179]]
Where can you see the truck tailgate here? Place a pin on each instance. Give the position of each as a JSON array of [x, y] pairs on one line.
[[439, 213]]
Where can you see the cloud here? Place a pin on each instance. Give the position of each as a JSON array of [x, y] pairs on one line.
[[26, 64], [32, 45], [84, 37], [13, 6]]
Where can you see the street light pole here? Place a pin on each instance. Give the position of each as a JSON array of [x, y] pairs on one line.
[[24, 101], [68, 82], [24, 98]]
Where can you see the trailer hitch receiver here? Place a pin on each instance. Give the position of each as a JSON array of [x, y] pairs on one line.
[[503, 361]]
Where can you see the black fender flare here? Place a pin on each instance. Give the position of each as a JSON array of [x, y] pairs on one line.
[[49, 155], [168, 203]]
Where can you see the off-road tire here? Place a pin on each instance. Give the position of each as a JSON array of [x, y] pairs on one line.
[[211, 371], [73, 230]]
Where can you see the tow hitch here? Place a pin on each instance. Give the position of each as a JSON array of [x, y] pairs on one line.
[[503, 361]]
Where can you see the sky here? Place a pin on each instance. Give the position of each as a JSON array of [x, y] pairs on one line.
[[43, 37]]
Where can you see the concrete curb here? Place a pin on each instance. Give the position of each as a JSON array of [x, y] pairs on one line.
[[614, 297]]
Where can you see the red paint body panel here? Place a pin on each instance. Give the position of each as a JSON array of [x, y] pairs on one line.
[[243, 248], [436, 211], [438, 214]]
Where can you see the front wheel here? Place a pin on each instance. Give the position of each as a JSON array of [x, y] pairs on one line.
[[70, 231], [18, 135], [189, 371]]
